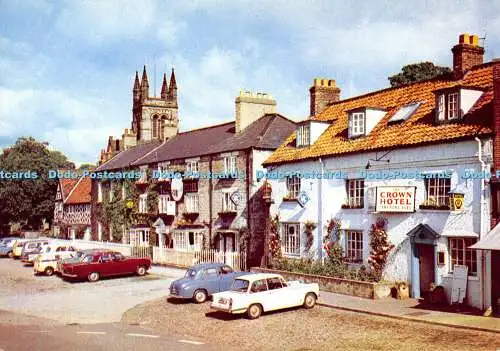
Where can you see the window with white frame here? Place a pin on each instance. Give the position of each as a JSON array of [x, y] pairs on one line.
[[461, 254], [291, 238], [144, 175], [357, 124], [99, 231], [230, 164], [355, 193], [303, 135], [192, 167], [162, 203], [124, 191], [139, 237], [180, 240], [452, 106], [143, 203], [227, 204], [192, 201], [99, 192], [292, 187], [354, 245], [448, 106], [437, 191], [195, 240]]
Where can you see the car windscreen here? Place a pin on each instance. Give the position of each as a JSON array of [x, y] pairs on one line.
[[240, 285], [190, 273]]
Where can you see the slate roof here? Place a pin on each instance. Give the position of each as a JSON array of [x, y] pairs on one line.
[[265, 133], [125, 158], [419, 129], [81, 192]]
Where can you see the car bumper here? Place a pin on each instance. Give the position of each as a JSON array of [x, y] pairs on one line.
[[67, 275], [228, 310], [178, 296]]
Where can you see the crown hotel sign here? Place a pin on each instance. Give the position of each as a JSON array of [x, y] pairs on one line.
[[395, 199]]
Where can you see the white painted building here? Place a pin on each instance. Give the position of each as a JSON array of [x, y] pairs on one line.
[[422, 146]]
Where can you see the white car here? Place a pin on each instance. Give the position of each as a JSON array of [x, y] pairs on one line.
[[46, 261], [262, 292]]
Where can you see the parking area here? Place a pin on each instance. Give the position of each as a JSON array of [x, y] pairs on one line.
[[321, 328], [65, 302]]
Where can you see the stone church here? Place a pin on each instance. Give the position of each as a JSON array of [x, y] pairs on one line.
[[153, 118]]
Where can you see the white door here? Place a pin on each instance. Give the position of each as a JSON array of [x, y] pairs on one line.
[[72, 234]]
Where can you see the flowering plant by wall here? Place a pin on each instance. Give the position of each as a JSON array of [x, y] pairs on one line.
[[309, 227], [274, 238], [380, 247]]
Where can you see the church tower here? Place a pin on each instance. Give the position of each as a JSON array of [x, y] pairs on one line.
[[154, 118]]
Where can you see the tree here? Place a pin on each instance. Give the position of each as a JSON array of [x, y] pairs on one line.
[[87, 167], [30, 198], [417, 72]]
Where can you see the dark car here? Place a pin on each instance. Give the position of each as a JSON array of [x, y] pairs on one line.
[[95, 265], [203, 280]]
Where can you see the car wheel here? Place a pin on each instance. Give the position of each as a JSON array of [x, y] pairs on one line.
[[49, 271], [200, 296], [254, 311], [141, 270], [93, 277], [309, 300], [10, 254]]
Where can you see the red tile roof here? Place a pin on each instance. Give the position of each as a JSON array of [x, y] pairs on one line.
[[81, 192], [67, 184], [418, 129]]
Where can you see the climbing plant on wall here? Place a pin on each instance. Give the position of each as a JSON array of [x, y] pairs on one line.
[[309, 227], [380, 247]]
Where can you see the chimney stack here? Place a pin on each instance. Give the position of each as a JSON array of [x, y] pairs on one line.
[[322, 93], [466, 54], [251, 106]]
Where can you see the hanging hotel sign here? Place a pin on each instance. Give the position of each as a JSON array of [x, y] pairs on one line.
[[395, 199], [177, 188]]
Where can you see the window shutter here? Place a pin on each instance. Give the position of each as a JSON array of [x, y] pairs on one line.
[[350, 125]]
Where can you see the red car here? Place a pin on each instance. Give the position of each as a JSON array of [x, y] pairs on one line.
[[95, 265]]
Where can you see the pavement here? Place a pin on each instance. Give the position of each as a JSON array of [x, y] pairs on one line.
[[409, 309]]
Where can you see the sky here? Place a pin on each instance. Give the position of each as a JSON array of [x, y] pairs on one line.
[[67, 67]]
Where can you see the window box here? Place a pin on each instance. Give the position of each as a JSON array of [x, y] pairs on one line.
[[227, 213], [351, 207], [288, 198], [434, 207]]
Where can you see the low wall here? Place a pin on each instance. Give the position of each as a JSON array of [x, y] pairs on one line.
[[367, 290]]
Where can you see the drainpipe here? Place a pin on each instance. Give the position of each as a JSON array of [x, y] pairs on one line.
[[320, 212], [481, 223]]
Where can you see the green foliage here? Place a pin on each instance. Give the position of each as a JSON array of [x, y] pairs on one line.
[[417, 72], [328, 269], [274, 238], [380, 247], [29, 200], [309, 227], [86, 167]]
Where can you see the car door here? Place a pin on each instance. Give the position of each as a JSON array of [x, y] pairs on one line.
[[226, 277], [260, 294], [278, 295], [211, 280], [105, 265], [123, 265]]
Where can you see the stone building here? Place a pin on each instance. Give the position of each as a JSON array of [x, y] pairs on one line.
[[153, 118], [417, 155], [220, 204], [72, 208]]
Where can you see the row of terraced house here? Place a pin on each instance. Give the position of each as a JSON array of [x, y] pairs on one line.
[[413, 154]]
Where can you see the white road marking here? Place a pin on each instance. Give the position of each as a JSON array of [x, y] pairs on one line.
[[143, 335], [192, 342], [91, 332]]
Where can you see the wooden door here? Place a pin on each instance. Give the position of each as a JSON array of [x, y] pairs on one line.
[[426, 265]]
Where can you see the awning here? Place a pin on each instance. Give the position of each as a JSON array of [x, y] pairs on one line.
[[460, 234], [490, 241]]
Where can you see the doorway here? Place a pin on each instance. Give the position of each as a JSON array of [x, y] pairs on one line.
[[495, 281], [227, 242], [426, 266]]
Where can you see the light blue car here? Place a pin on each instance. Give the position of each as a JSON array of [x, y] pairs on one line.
[[6, 246], [203, 280]]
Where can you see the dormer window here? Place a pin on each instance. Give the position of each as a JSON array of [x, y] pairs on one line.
[[454, 103], [448, 106], [357, 124], [303, 135]]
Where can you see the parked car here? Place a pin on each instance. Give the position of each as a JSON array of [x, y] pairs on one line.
[[7, 246], [203, 280], [77, 257], [18, 247], [95, 265], [257, 293], [31, 247], [46, 261]]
